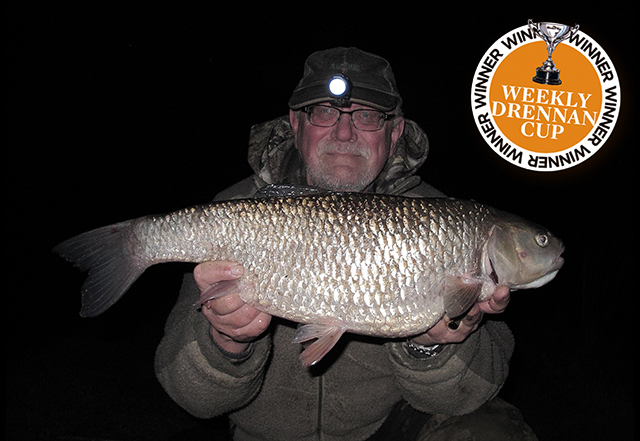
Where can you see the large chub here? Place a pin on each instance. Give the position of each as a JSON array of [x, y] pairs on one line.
[[385, 266]]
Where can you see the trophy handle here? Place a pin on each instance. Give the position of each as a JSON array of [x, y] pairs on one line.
[[574, 29]]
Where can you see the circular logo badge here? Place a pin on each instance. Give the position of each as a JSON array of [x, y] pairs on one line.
[[545, 97]]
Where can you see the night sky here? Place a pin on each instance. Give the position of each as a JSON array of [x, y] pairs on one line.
[[121, 110]]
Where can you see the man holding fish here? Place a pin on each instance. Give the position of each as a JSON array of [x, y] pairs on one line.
[[344, 132]]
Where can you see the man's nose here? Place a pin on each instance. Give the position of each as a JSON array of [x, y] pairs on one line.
[[344, 130]]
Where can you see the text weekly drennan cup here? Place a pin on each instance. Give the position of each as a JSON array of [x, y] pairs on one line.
[[545, 96]]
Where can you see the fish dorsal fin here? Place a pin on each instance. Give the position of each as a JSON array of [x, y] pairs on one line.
[[327, 337], [460, 293], [281, 191]]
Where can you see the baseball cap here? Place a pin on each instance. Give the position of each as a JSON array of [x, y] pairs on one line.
[[371, 78]]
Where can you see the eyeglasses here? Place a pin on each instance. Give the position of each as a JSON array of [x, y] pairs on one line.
[[367, 120]]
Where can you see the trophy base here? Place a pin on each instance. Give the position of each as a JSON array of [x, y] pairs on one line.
[[547, 77]]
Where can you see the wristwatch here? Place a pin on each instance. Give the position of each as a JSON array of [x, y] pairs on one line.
[[422, 351]]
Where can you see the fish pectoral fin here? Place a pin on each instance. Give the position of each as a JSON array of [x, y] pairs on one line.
[[220, 289], [460, 293], [326, 338]]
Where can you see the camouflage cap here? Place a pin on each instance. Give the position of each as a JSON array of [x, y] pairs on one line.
[[371, 77]]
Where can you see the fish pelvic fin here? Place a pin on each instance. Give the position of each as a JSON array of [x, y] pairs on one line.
[[326, 338], [113, 268], [460, 293], [218, 290]]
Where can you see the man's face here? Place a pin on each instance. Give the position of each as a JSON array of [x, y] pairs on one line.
[[341, 157]]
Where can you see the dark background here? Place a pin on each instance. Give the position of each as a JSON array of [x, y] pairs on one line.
[[117, 110]]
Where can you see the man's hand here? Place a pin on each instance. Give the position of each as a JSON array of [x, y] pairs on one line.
[[498, 301], [234, 324], [448, 331]]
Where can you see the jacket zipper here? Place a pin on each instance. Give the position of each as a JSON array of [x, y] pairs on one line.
[[405, 185], [319, 410]]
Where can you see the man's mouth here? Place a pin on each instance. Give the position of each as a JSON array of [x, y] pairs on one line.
[[343, 150]]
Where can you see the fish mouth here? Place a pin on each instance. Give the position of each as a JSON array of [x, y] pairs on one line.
[[559, 260]]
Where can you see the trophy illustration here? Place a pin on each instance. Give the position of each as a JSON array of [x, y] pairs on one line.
[[553, 34]]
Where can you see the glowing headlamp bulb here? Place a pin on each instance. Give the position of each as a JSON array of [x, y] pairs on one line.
[[338, 85]]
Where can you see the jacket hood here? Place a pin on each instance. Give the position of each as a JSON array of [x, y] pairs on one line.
[[275, 159]]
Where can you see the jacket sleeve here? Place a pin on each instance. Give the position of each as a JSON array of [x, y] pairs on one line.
[[459, 379], [192, 369]]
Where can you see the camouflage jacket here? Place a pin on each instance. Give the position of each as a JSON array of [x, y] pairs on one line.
[[269, 395]]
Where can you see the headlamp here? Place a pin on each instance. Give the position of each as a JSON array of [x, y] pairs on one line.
[[340, 88]]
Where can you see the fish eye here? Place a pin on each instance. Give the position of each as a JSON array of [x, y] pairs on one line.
[[542, 239]]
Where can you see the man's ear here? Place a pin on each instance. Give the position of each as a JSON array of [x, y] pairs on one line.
[[293, 119], [396, 133]]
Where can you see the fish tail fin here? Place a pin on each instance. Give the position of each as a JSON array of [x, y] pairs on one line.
[[106, 254]]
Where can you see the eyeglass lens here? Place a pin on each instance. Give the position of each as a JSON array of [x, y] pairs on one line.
[[362, 119]]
